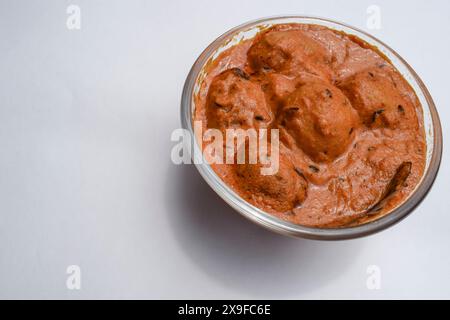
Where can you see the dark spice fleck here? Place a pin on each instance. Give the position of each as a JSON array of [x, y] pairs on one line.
[[259, 118], [241, 73], [371, 74], [299, 172], [314, 168], [328, 93], [291, 110], [351, 131], [376, 114], [218, 105], [401, 109]]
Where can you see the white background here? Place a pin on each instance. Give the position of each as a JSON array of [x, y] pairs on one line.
[[86, 176]]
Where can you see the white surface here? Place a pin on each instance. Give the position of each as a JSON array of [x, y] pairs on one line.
[[86, 176]]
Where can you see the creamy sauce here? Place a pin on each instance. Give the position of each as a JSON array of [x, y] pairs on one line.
[[347, 119]]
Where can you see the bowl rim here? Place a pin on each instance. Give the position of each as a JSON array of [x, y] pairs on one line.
[[281, 226]]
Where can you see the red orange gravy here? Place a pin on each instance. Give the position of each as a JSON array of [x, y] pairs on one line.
[[347, 121]]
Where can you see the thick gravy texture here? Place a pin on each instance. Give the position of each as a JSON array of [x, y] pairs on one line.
[[347, 122]]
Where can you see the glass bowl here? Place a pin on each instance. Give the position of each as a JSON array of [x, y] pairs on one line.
[[430, 117]]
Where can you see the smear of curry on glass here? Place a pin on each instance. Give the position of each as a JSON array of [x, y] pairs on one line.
[[352, 142]]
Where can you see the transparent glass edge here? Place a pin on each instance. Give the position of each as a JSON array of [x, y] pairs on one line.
[[284, 227]]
